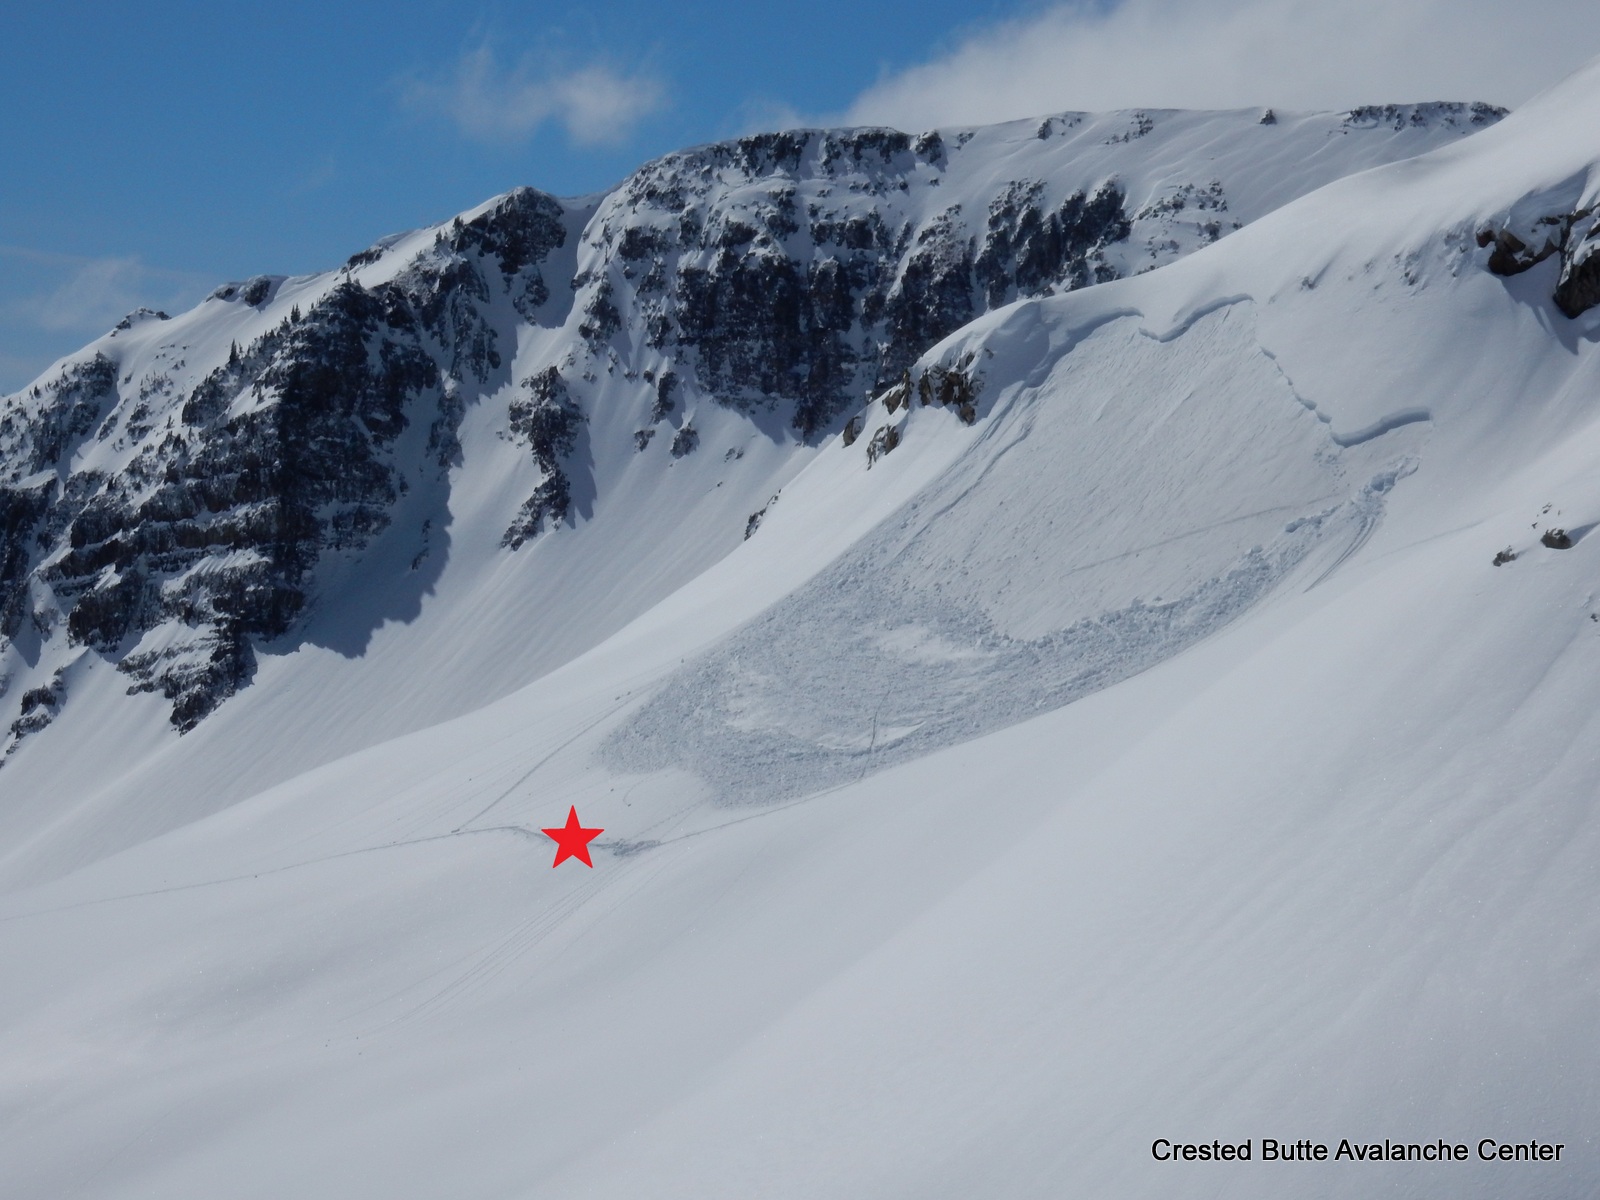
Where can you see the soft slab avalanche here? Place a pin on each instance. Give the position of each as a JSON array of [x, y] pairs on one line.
[[1087, 536]]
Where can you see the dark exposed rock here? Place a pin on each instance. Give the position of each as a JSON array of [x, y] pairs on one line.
[[898, 395], [518, 233], [767, 302], [257, 291], [254, 291], [548, 421], [685, 441], [1578, 288], [1027, 249], [21, 509], [68, 409], [1575, 236], [1142, 124], [753, 522], [39, 707], [1400, 116], [884, 440], [1512, 256], [140, 314], [449, 300], [48, 696], [933, 297], [953, 386], [601, 318], [1556, 539], [545, 416], [213, 529], [1048, 128], [664, 404], [258, 496], [197, 678], [550, 501]]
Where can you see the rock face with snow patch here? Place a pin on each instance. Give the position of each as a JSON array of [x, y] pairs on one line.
[[785, 268], [807, 269], [204, 541], [1573, 236]]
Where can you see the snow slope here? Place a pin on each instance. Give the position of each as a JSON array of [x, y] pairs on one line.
[[1157, 756]]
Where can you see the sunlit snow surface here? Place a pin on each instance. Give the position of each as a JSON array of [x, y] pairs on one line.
[[1312, 853]]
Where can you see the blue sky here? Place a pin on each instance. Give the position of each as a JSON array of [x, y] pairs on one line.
[[149, 151], [152, 150]]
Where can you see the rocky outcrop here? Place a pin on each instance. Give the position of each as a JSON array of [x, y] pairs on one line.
[[50, 423], [39, 706], [1578, 288], [22, 508], [545, 418], [1556, 539], [882, 442], [202, 547], [1450, 114], [214, 529], [1512, 256], [1575, 236], [785, 269], [1027, 249]]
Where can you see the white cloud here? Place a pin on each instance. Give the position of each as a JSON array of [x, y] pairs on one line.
[[490, 103], [1292, 54]]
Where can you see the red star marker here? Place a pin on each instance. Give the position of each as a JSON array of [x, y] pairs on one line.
[[572, 840]]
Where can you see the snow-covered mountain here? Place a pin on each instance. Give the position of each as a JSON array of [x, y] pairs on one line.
[[178, 494], [1077, 632]]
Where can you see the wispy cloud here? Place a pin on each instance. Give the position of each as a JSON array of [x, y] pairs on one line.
[[315, 178], [64, 293], [596, 104], [92, 296], [50, 304], [1305, 54]]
